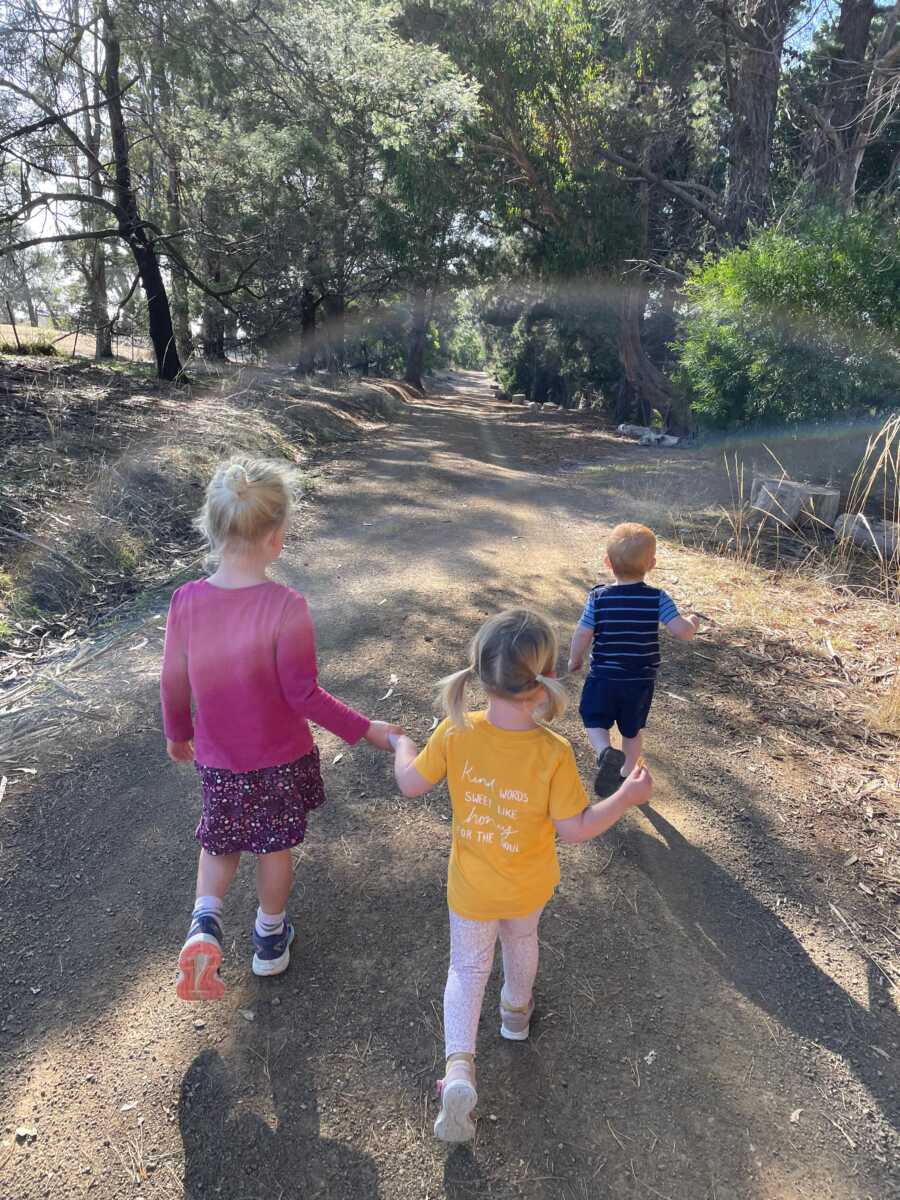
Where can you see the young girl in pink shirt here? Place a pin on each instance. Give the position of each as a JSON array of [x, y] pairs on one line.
[[243, 648]]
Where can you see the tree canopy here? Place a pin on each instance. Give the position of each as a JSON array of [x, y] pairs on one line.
[[580, 184]]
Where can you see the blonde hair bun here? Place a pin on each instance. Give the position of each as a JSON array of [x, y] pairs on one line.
[[235, 478], [246, 500]]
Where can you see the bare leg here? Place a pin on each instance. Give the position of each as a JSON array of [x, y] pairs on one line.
[[599, 739], [215, 873], [201, 955], [274, 879], [632, 748]]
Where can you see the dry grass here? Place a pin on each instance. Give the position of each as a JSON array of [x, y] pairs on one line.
[[70, 345], [887, 709], [744, 535], [106, 509]]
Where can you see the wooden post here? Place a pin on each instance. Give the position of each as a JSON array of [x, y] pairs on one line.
[[77, 331], [12, 321]]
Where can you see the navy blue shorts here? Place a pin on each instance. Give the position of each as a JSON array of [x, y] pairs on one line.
[[608, 702]]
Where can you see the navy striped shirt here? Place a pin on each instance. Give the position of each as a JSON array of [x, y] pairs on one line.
[[625, 618]]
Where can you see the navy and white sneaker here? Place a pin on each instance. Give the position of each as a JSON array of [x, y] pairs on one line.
[[609, 772], [200, 959], [273, 953]]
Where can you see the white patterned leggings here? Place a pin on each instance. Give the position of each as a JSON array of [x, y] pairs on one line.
[[471, 959]]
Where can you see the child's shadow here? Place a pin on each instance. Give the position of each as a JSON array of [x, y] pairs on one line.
[[232, 1153], [463, 1177]]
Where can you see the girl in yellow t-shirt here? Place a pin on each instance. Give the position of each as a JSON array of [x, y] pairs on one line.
[[514, 786]]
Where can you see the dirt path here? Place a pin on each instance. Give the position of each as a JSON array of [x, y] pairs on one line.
[[704, 1031]]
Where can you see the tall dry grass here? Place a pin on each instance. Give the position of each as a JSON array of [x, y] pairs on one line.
[[754, 536]]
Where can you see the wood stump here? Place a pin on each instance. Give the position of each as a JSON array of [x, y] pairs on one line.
[[789, 502]]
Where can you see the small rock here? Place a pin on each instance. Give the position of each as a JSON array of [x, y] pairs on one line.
[[248, 1014], [198, 1024], [492, 1117], [26, 1133], [795, 1116], [276, 1000]]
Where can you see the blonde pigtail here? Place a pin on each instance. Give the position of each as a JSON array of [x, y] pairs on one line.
[[451, 696], [557, 699]]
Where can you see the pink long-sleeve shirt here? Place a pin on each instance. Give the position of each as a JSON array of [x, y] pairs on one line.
[[247, 656]]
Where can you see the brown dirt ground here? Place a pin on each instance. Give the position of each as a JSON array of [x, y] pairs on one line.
[[714, 1017]]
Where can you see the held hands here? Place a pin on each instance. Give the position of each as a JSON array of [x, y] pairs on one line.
[[180, 752], [638, 787], [379, 734]]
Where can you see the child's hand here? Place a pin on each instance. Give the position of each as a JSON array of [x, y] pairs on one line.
[[180, 752], [574, 664], [694, 619], [638, 787], [398, 740], [379, 732]]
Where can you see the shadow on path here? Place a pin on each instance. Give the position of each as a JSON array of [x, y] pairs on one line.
[[231, 1153], [758, 955]]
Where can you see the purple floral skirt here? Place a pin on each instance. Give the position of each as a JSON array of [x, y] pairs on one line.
[[258, 811]]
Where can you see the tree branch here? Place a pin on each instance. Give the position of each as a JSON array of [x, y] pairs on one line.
[[83, 236], [50, 197], [715, 218]]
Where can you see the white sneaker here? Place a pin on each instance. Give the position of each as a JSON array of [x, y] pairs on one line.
[[458, 1098]]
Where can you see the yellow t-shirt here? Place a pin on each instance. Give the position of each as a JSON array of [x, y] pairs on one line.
[[507, 787]]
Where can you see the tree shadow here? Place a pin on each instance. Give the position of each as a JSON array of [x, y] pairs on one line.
[[759, 956], [231, 1153]]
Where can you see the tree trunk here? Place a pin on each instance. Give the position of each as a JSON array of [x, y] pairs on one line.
[[876, 102], [752, 81], [306, 360], [22, 272], [181, 318], [415, 350], [95, 265], [652, 390], [99, 303], [846, 92], [212, 318], [335, 314], [131, 227]]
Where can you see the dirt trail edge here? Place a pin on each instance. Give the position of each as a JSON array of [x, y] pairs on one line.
[[702, 1034]]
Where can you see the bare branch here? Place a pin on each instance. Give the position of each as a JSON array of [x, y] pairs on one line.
[[84, 235], [51, 197]]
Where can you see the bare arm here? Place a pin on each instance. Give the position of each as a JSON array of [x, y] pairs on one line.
[[581, 643], [683, 628], [597, 818], [409, 781]]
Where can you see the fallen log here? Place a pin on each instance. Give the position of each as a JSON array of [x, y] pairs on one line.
[[879, 537]]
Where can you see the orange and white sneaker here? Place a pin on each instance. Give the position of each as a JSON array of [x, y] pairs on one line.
[[199, 961], [458, 1098], [515, 1023]]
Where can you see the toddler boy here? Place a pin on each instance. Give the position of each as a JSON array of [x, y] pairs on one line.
[[622, 621]]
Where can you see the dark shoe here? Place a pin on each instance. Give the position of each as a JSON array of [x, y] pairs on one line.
[[273, 953], [609, 772]]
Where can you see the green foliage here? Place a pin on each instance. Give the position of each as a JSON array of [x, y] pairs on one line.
[[560, 344], [39, 347], [800, 325]]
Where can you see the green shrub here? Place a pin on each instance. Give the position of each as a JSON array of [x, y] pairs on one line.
[[39, 348], [801, 325]]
